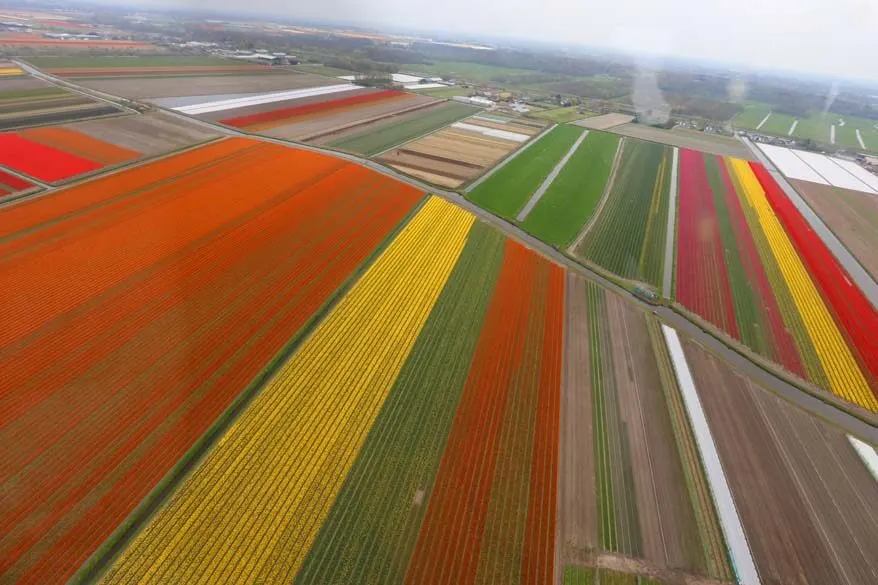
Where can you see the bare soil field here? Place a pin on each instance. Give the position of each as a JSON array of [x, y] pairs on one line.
[[623, 483], [684, 138], [320, 124], [604, 122], [807, 502], [469, 153], [851, 215], [160, 87], [15, 84], [79, 110], [149, 134]]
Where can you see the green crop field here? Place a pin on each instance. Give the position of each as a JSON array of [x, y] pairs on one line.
[[373, 141], [138, 61], [753, 113], [628, 236], [444, 92], [572, 198], [578, 576], [816, 127], [562, 115], [507, 190], [847, 135], [37, 93], [778, 124], [321, 70]]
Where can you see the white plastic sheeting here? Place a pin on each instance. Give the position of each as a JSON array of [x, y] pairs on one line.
[[739, 549], [265, 98], [867, 454], [424, 85], [870, 180], [834, 174], [790, 165], [493, 132], [397, 78]]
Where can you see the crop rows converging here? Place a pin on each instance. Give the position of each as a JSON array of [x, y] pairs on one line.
[[139, 306], [54, 153], [748, 263], [628, 236], [410, 438]]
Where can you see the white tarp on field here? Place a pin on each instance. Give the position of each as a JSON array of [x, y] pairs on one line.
[[424, 85], [265, 98], [867, 454], [493, 132], [870, 180], [739, 548], [834, 174], [397, 78], [791, 165]]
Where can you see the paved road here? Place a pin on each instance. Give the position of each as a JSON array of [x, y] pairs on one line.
[[856, 271], [669, 235], [771, 381], [538, 194]]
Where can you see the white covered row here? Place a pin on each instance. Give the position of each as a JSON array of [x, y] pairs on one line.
[[739, 548], [265, 98], [493, 132], [867, 454], [415, 86], [834, 174], [870, 180], [790, 165]]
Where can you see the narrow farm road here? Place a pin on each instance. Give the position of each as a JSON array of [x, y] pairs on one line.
[[667, 280], [827, 407]]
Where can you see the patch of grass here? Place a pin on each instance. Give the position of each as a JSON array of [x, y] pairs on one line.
[[779, 124], [610, 577], [578, 575], [816, 127], [374, 141], [37, 93], [572, 198], [562, 115], [753, 114], [133, 61], [469, 71], [444, 92], [507, 190]]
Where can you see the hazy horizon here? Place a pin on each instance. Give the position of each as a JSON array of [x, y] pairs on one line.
[[832, 38]]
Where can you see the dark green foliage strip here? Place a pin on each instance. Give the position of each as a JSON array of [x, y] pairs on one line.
[[372, 528]]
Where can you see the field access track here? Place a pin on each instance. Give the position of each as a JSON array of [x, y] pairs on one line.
[[140, 305]]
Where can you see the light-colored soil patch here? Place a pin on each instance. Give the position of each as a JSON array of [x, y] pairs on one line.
[[684, 138], [427, 176], [851, 215], [319, 124], [604, 122], [415, 161], [375, 125], [10, 84], [160, 87], [510, 127], [148, 134], [578, 507]]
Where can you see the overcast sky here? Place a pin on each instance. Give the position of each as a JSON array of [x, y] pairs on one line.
[[821, 36]]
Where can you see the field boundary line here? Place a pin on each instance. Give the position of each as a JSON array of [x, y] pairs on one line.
[[845, 258], [860, 139], [604, 196], [671, 227], [550, 178], [736, 540], [28, 178], [509, 158], [764, 120], [793, 127], [98, 174], [424, 135], [104, 556]]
